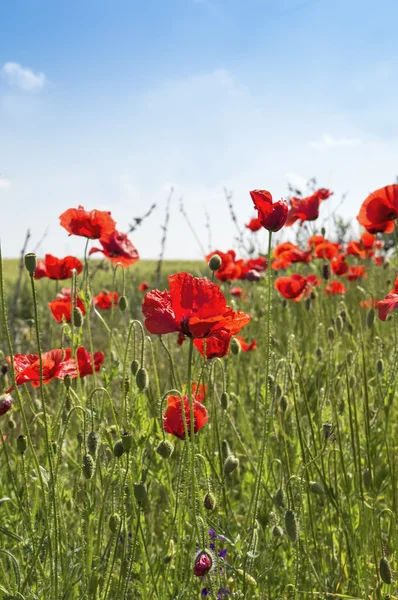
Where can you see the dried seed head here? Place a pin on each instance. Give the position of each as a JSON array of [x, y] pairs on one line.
[[140, 491], [123, 303], [92, 443], [215, 262], [21, 444], [88, 466], [142, 379], [210, 501], [165, 449], [118, 449], [291, 525], [235, 346], [127, 441], [370, 318], [114, 523], [385, 571], [30, 263], [380, 366], [77, 317], [224, 400], [135, 365], [231, 464]]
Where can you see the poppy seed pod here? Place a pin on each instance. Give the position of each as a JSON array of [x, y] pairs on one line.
[[5, 404], [114, 523], [291, 525], [385, 571], [127, 441], [215, 262], [77, 317], [370, 318], [21, 444], [30, 263], [92, 443], [224, 400], [118, 449], [203, 564], [135, 365], [122, 304], [235, 346], [140, 491], [231, 464], [88, 466], [165, 449], [210, 501], [142, 379]]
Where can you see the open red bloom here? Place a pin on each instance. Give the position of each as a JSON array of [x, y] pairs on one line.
[[105, 300], [369, 303], [85, 363], [92, 224], [143, 287], [335, 287], [61, 306], [306, 209], [356, 272], [56, 364], [295, 286], [230, 267], [173, 420], [254, 225], [236, 291], [326, 250], [287, 253], [217, 346], [199, 391], [339, 265], [57, 268], [245, 346], [379, 211], [195, 307], [117, 247], [272, 215], [385, 306]]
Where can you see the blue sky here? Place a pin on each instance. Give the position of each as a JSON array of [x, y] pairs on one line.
[[109, 103]]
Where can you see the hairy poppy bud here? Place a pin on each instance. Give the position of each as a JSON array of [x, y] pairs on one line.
[[77, 317], [319, 353], [323, 232], [122, 304], [88, 466], [11, 423], [380, 366], [114, 523], [21, 444], [5, 404], [370, 318], [331, 334], [339, 324], [291, 525], [118, 449], [165, 449], [385, 571], [203, 564], [209, 501], [283, 403], [225, 449], [350, 357], [350, 328], [30, 263], [67, 381], [135, 365], [279, 498], [224, 400], [80, 438], [235, 346], [92, 443], [142, 379], [127, 441], [140, 491], [317, 488], [4, 369], [231, 464], [277, 531], [215, 262], [271, 381]]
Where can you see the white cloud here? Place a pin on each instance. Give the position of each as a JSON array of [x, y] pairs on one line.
[[327, 141], [21, 77], [5, 184]]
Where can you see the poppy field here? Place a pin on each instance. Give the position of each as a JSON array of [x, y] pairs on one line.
[[227, 429]]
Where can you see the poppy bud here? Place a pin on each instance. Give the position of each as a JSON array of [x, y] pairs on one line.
[[4, 369], [77, 317], [67, 381], [291, 525], [127, 441], [135, 365], [283, 403], [209, 501], [326, 271], [114, 523], [122, 304], [350, 328], [327, 429], [165, 449], [331, 334], [319, 353], [142, 379], [80, 439], [231, 464], [140, 491], [118, 449], [88, 466], [323, 232], [11, 423], [92, 443], [380, 366], [350, 357], [224, 400], [385, 571], [21, 444], [271, 381], [215, 262], [225, 449], [343, 315], [203, 564], [339, 324], [277, 531], [367, 479], [370, 318], [30, 263], [341, 407], [317, 488], [5, 404], [235, 346], [279, 498], [278, 391]]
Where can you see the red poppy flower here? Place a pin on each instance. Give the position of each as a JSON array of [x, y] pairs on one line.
[[395, 288], [379, 261], [199, 391], [306, 209], [326, 250], [57, 268], [61, 306], [194, 306], [369, 303], [272, 215], [173, 420], [314, 240], [236, 291], [230, 268], [254, 225], [385, 306], [339, 265], [85, 363], [105, 300], [56, 364], [216, 346], [117, 247], [245, 346], [143, 287], [335, 287], [92, 224], [288, 253], [356, 272], [295, 286], [379, 211], [259, 264]]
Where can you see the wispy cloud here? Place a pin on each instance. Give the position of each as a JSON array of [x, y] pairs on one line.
[[5, 184], [327, 141], [22, 77]]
